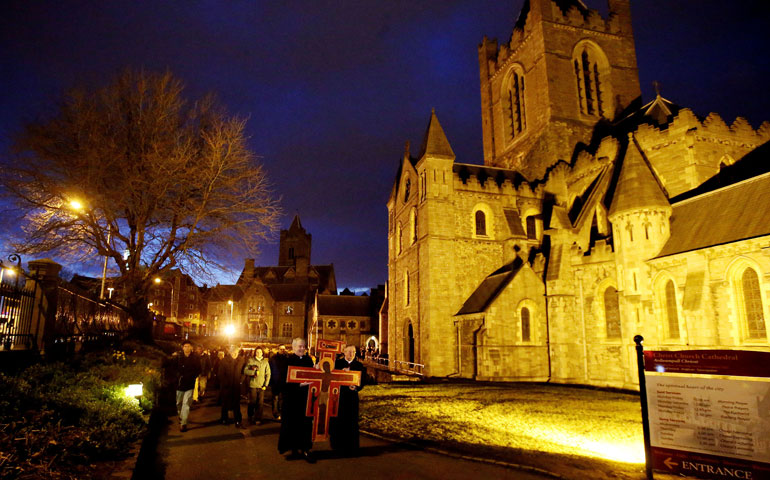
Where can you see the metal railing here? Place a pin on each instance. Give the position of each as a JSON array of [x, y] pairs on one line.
[[16, 308], [399, 366]]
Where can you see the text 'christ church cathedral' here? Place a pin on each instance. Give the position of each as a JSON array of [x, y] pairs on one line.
[[594, 218]]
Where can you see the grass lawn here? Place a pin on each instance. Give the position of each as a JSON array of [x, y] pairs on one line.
[[574, 432]]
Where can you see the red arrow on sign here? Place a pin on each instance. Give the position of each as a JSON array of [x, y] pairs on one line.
[[669, 463]]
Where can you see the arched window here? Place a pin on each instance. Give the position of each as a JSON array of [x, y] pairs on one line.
[[611, 312], [413, 225], [399, 243], [407, 187], [531, 227], [672, 317], [525, 326], [591, 72], [407, 288], [752, 305], [481, 223], [514, 118]]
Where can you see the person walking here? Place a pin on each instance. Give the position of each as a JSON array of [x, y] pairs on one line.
[[343, 429], [278, 379], [187, 366], [258, 372], [296, 428], [230, 377]]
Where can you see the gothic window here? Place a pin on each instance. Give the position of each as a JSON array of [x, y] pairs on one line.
[[331, 324], [413, 225], [672, 317], [287, 330], [352, 324], [590, 74], [363, 324], [407, 186], [481, 223], [406, 288], [515, 121], [399, 243], [752, 305], [291, 253], [525, 325], [531, 228], [611, 313]]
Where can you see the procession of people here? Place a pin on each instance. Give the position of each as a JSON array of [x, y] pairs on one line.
[[232, 374]]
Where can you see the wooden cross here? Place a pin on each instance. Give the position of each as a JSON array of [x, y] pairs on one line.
[[325, 383]]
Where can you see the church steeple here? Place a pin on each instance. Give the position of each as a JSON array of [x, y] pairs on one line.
[[295, 244], [435, 142]]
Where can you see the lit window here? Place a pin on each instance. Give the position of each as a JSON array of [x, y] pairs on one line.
[[287, 330]]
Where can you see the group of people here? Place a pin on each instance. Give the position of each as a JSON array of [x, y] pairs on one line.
[[229, 369]]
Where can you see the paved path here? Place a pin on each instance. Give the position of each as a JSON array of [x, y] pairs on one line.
[[210, 450]]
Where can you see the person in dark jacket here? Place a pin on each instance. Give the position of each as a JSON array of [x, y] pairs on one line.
[[296, 428], [343, 429], [203, 378], [278, 379], [230, 378], [187, 367]]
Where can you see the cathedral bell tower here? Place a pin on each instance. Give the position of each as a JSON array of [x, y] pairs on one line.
[[564, 69]]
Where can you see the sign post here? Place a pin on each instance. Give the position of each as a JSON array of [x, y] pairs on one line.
[[706, 413]]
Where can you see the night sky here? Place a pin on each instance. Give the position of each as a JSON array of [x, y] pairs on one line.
[[333, 89]]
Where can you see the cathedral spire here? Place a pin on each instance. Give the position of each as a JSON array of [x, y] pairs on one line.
[[637, 187], [435, 142]]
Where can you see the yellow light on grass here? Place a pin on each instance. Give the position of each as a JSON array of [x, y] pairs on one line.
[[134, 390]]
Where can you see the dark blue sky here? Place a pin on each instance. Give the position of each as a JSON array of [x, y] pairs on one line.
[[333, 89]]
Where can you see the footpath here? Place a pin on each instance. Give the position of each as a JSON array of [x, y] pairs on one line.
[[210, 450]]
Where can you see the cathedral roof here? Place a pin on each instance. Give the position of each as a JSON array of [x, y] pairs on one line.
[[223, 293], [289, 292], [727, 215], [637, 186], [344, 305], [490, 288], [435, 142]]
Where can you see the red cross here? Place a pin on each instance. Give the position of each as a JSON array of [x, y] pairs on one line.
[[325, 386]]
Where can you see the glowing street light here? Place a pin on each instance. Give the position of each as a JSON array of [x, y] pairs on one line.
[[158, 280], [78, 206], [134, 390], [230, 330]]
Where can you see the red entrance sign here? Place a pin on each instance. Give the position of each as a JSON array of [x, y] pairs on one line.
[[707, 466], [324, 392]]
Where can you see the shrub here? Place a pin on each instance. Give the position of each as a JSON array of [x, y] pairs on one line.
[[57, 418]]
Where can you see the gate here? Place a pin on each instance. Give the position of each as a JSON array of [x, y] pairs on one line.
[[16, 308]]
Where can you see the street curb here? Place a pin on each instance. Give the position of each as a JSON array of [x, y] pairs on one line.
[[515, 466]]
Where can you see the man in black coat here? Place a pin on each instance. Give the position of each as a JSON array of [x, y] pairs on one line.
[[278, 379], [343, 429], [296, 428], [187, 366], [230, 377]]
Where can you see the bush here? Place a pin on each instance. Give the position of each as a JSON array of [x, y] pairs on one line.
[[57, 418]]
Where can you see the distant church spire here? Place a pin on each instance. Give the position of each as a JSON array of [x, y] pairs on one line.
[[435, 142]]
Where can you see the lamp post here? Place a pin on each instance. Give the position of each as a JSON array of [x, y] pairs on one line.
[[158, 280], [79, 207]]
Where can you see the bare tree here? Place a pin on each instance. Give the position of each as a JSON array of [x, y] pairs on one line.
[[163, 183]]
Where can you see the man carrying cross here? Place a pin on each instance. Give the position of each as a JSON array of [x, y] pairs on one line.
[[343, 429], [296, 427]]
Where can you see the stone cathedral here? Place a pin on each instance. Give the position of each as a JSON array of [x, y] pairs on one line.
[[594, 217]]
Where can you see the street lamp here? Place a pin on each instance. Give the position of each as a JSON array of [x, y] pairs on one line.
[[158, 280], [78, 206]]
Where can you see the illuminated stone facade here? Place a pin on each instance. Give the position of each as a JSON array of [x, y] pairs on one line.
[[594, 218]]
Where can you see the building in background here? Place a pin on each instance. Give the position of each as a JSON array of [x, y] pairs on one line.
[[594, 218], [350, 318]]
